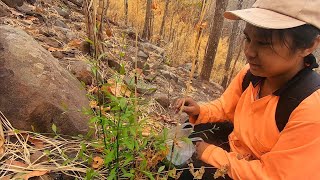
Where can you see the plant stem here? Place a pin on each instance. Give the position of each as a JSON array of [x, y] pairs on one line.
[[118, 147]]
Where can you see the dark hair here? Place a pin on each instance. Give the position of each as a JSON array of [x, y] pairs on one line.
[[302, 37]]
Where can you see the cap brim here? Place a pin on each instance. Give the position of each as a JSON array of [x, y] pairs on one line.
[[264, 18]]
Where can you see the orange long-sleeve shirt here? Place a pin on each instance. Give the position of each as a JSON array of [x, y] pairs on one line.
[[258, 149]]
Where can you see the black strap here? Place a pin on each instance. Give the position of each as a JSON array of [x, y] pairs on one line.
[[292, 94], [249, 77]]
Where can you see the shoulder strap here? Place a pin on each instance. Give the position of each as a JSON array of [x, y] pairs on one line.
[[300, 87], [246, 80], [249, 77]]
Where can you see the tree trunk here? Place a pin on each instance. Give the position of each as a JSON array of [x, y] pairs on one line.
[[235, 62], [215, 33], [146, 34], [126, 11], [232, 45], [164, 18]]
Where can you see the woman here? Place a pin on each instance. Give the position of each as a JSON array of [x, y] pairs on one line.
[[280, 37]]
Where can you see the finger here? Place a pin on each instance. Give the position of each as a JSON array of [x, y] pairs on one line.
[[189, 110], [178, 103], [198, 144]]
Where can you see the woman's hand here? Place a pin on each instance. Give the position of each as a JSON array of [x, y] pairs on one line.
[[200, 147], [190, 107]]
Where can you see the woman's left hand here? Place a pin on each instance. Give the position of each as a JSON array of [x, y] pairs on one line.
[[200, 147]]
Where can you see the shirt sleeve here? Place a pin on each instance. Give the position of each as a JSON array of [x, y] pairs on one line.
[[294, 156], [223, 108]]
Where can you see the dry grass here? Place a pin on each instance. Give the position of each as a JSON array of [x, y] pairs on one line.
[[30, 154]]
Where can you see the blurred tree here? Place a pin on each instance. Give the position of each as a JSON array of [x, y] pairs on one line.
[[126, 11], [232, 45], [213, 41], [95, 16], [146, 34], [164, 18]]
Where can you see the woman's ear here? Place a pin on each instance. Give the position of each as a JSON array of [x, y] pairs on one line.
[[312, 48]]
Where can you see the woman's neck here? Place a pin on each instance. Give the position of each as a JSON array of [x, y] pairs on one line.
[[271, 84]]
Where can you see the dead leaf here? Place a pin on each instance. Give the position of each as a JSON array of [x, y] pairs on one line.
[[31, 18], [139, 72], [109, 32], [196, 174], [11, 162], [39, 10], [36, 142], [75, 43], [146, 134], [104, 110], [34, 174], [97, 162], [93, 104], [221, 172], [118, 89], [154, 5], [93, 89], [38, 156], [172, 173], [204, 25]]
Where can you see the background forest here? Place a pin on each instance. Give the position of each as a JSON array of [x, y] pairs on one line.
[[187, 29]]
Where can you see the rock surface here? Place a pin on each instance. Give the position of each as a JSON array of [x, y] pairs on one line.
[[35, 90]]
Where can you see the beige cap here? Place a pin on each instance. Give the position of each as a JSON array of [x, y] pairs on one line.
[[279, 14]]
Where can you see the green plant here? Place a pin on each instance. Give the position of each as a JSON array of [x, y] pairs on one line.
[[126, 152]]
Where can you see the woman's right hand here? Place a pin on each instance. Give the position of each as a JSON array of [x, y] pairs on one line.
[[190, 106]]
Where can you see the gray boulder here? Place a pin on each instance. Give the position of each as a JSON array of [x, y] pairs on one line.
[[13, 3], [35, 90]]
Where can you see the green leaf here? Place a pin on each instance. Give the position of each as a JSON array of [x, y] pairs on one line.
[[148, 174], [129, 144], [161, 169], [47, 152], [122, 69], [110, 156], [129, 158], [128, 175], [82, 150], [90, 174], [112, 174], [122, 54], [116, 108], [94, 119], [54, 128], [89, 41], [133, 131], [123, 103]]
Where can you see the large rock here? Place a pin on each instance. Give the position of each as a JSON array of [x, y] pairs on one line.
[[4, 10], [13, 3], [35, 90]]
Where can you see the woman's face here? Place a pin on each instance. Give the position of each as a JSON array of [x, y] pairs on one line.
[[270, 60]]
